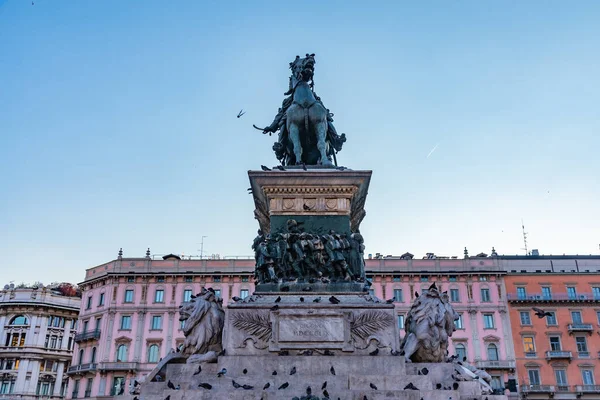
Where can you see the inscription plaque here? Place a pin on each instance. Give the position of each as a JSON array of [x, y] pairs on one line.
[[311, 329]]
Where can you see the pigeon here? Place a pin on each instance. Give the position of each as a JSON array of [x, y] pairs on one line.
[[242, 112], [278, 299], [264, 168], [247, 387], [410, 386], [245, 371], [307, 289], [416, 294], [541, 313], [373, 386], [438, 386], [280, 167], [221, 372], [304, 167], [301, 299], [293, 371], [317, 300], [170, 385], [199, 370], [334, 300], [221, 353], [308, 391], [274, 373], [235, 384], [283, 386], [332, 370], [374, 352], [267, 385], [305, 207], [365, 397], [168, 397], [275, 307], [135, 383], [136, 398], [424, 371], [324, 385], [341, 168], [284, 353], [328, 353], [206, 386], [390, 301], [455, 386], [326, 394], [236, 299], [419, 372], [178, 387]]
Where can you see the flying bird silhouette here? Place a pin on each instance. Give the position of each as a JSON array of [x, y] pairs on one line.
[[541, 313], [242, 112]]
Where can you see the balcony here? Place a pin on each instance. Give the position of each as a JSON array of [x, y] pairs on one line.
[[90, 335], [118, 366], [563, 388], [558, 355], [587, 388], [572, 328], [503, 364], [81, 369], [538, 389], [538, 297]]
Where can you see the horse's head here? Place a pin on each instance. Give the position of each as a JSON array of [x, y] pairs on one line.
[[303, 69]]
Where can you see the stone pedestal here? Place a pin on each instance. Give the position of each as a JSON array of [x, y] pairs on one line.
[[305, 323]]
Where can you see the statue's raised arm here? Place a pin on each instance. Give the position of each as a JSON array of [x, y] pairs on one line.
[[306, 132]]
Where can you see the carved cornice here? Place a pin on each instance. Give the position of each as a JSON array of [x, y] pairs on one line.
[[321, 190]]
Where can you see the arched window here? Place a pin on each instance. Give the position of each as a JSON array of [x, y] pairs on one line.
[[153, 353], [122, 353], [19, 320], [81, 356], [492, 351], [461, 351], [93, 358]]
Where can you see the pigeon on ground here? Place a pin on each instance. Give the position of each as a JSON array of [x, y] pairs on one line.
[[332, 370], [293, 371], [283, 386], [334, 300], [207, 386], [278, 299], [410, 386], [326, 394], [275, 307], [324, 385], [264, 168], [304, 167], [170, 385], [268, 385], [236, 299], [305, 207], [221, 353], [317, 300], [373, 386], [301, 299], [455, 386], [274, 373], [390, 301], [247, 387], [374, 352], [235, 384], [199, 370], [222, 372], [280, 167], [308, 391], [168, 397], [245, 371], [424, 371]]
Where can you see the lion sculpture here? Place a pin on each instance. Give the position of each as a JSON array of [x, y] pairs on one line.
[[429, 324], [203, 328]]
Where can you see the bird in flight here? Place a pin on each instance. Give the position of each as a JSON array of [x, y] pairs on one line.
[[242, 112]]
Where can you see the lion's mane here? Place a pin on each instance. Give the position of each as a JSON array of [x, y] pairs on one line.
[[204, 319]]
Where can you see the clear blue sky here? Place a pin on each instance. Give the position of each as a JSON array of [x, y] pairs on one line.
[[118, 123]]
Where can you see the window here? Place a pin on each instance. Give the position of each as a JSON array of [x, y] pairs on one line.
[[244, 279], [492, 352], [81, 354], [153, 353], [160, 279], [598, 316], [454, 295], [576, 317], [43, 388], [461, 351], [15, 339], [496, 383], [130, 279], [122, 353], [187, 294], [534, 376], [218, 292], [528, 344], [555, 343], [156, 322], [521, 293], [75, 388], [397, 278], [85, 326], [129, 296], [73, 324], [126, 322], [582, 348], [561, 378], [88, 387], [100, 302], [118, 386], [596, 293], [181, 324], [588, 376], [216, 279], [93, 357], [571, 292], [551, 319], [189, 279], [458, 323], [525, 318], [19, 320], [400, 321], [7, 386], [488, 321], [398, 295], [244, 293], [89, 303], [159, 296], [452, 278], [485, 295], [546, 292], [424, 279]]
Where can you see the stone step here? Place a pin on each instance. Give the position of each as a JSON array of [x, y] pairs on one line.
[[383, 382], [296, 382]]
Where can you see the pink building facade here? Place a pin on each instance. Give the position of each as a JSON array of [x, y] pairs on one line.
[[129, 315]]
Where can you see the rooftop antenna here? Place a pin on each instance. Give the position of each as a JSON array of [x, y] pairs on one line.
[[524, 237], [202, 247]]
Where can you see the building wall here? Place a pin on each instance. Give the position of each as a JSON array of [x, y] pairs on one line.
[[525, 291], [35, 366]]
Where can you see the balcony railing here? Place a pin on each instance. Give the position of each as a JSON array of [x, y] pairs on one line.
[[580, 328], [563, 388], [555, 355], [89, 335], [499, 364], [552, 297], [82, 368], [538, 389], [587, 388], [118, 366], [532, 354]]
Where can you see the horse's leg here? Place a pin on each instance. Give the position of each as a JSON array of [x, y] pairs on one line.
[[294, 133], [321, 128]]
